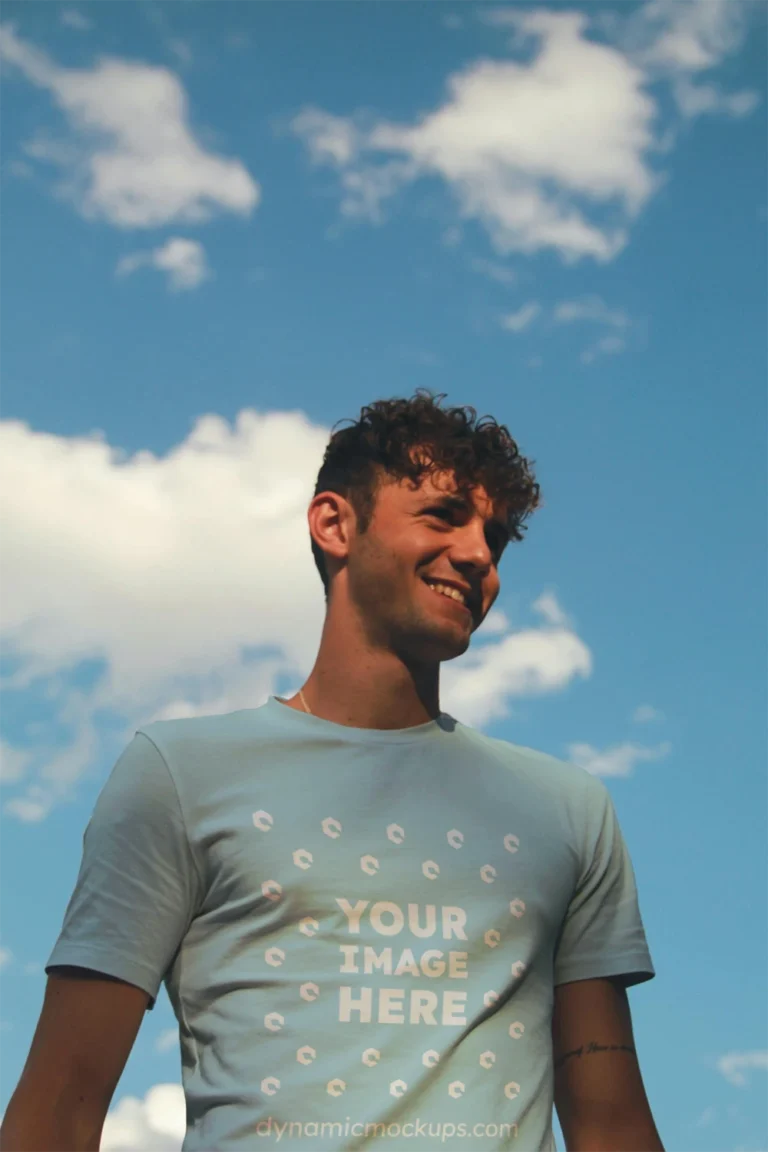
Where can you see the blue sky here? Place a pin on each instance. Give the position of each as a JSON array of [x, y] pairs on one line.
[[228, 226]]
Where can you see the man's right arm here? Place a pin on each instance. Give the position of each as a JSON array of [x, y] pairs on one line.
[[87, 1028]]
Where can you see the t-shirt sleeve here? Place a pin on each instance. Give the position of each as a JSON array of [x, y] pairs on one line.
[[139, 886], [603, 934]]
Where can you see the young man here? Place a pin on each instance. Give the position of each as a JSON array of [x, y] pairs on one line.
[[376, 926]]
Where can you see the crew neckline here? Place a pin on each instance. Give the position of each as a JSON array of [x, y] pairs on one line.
[[278, 709]]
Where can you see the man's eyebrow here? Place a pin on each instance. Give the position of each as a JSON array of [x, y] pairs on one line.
[[460, 504]]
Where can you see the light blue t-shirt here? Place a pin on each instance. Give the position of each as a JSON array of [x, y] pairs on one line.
[[359, 930]]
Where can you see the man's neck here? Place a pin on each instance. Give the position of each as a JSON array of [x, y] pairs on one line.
[[360, 688]]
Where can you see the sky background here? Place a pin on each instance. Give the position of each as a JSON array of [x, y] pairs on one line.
[[227, 226]]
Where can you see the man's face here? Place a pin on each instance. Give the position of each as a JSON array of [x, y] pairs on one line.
[[417, 539]]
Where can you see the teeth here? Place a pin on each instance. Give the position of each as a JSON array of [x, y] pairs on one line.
[[446, 590]]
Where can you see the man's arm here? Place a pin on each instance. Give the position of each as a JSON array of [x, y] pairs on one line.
[[599, 1092], [87, 1028]]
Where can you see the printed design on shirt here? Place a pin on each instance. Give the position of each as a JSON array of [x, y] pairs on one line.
[[446, 958]]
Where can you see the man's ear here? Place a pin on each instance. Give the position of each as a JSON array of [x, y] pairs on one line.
[[332, 524]]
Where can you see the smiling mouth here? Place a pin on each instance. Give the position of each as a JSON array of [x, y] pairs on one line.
[[445, 592]]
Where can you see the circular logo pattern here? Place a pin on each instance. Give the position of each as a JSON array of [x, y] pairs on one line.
[[456, 1089], [490, 998], [516, 1030], [309, 991], [270, 1085], [302, 858], [306, 1054], [430, 869], [331, 827], [488, 873], [511, 1090], [309, 926], [371, 1057], [518, 968], [274, 957], [274, 1021], [511, 843], [455, 838], [488, 1059], [397, 1088], [262, 820], [395, 833], [272, 890], [430, 1058], [517, 908], [492, 938], [335, 1087], [369, 864]]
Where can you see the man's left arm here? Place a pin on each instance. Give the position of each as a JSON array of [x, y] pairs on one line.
[[599, 1092]]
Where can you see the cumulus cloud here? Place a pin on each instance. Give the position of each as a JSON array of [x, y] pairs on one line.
[[547, 152], [618, 760], [530, 662], [131, 157], [550, 149], [155, 1124], [734, 1065], [521, 319], [183, 261], [187, 582], [680, 40], [5, 956]]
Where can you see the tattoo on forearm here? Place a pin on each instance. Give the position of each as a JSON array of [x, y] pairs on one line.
[[592, 1047]]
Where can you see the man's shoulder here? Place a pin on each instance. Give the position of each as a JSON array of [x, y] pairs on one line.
[[533, 762], [203, 730]]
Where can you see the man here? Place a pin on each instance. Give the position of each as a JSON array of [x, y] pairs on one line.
[[375, 925]]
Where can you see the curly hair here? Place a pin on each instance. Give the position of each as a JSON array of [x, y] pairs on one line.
[[383, 443]]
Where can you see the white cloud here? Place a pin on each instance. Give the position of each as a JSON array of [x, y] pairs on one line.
[[679, 39], [155, 1124], [132, 158], [619, 760], [189, 579], [181, 50], [74, 19], [532, 662], [13, 762], [605, 346], [645, 713], [167, 1040], [590, 308], [686, 35], [518, 321], [547, 605], [549, 153], [733, 1065], [183, 260], [6, 956], [501, 273]]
